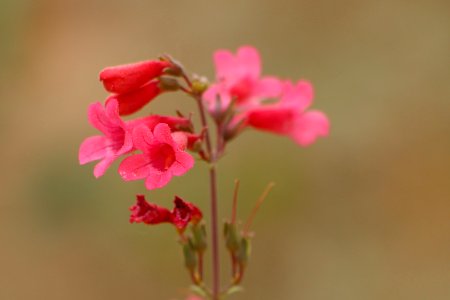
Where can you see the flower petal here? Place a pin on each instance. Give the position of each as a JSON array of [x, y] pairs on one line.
[[180, 139], [224, 62], [127, 143], [103, 165], [92, 148], [300, 95], [309, 126], [157, 179], [112, 113], [268, 87], [183, 163], [135, 167], [249, 61], [163, 134], [142, 138], [97, 117]]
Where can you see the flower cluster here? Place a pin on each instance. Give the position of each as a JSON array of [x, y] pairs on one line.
[[239, 99], [155, 148], [239, 84], [161, 139]]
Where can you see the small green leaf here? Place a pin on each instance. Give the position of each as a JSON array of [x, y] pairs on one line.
[[198, 290], [234, 289]]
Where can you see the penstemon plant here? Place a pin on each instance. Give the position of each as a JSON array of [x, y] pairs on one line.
[[156, 148]]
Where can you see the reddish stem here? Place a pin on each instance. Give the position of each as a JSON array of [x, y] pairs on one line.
[[235, 197], [212, 158], [233, 265], [200, 265], [213, 190]]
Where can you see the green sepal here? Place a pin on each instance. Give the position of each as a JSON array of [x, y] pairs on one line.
[[198, 290], [231, 237], [190, 257], [244, 251], [234, 289], [199, 237]]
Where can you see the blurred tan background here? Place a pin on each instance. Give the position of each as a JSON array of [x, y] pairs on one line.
[[363, 214]]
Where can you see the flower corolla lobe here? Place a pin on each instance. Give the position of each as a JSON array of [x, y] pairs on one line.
[[115, 141]]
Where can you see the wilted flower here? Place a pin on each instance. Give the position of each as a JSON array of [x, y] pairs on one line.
[[148, 213]]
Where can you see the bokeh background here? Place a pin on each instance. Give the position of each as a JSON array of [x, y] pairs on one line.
[[363, 214]]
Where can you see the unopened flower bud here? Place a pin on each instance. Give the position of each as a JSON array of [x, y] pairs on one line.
[[175, 68], [200, 85], [125, 78], [168, 83]]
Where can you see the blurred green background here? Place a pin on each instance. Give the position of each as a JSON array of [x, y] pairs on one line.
[[362, 214]]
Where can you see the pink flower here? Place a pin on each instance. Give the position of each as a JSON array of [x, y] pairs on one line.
[[184, 212], [148, 213], [115, 141], [162, 157], [288, 117], [134, 100], [238, 77], [125, 78], [117, 134]]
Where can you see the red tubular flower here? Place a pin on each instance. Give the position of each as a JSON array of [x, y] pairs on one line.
[[148, 213], [134, 100], [289, 116], [239, 78], [162, 157], [125, 78], [184, 212], [115, 141]]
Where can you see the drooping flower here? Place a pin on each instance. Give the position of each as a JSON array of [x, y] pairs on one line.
[[289, 116], [162, 157], [148, 213], [184, 212], [238, 78], [125, 78], [115, 141]]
